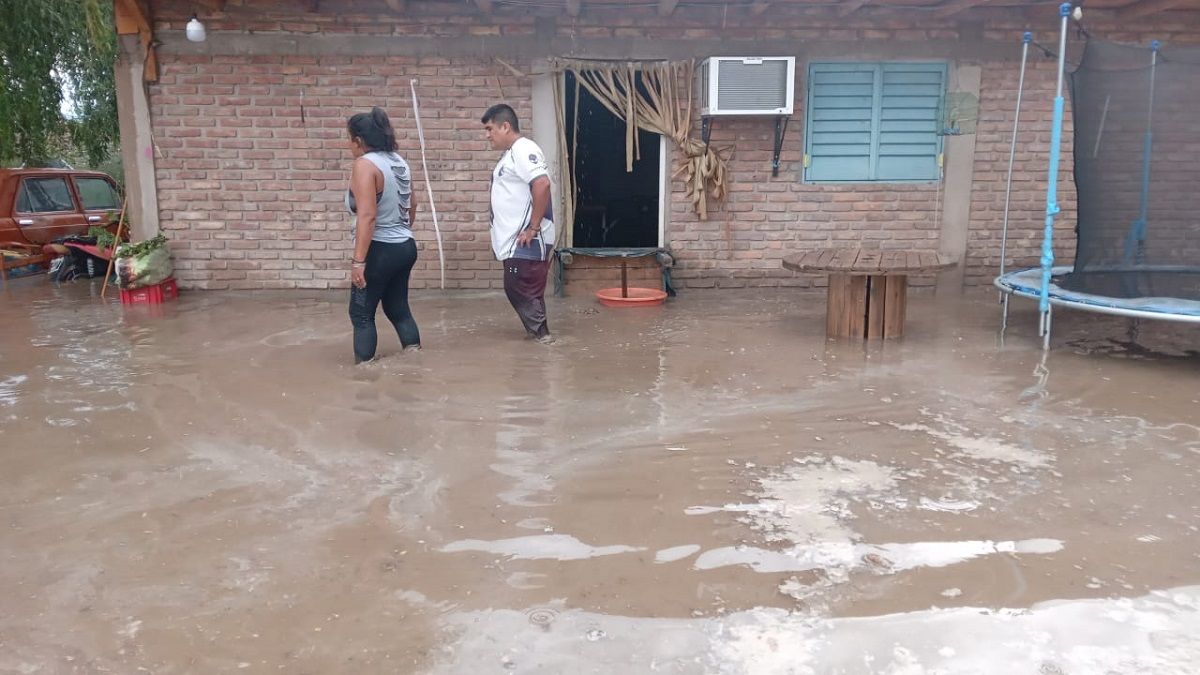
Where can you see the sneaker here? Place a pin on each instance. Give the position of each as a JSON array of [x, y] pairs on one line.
[[546, 339], [413, 348]]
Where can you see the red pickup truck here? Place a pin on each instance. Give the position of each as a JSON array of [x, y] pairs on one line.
[[39, 206]]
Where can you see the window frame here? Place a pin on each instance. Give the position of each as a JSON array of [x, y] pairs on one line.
[[116, 193], [879, 66], [66, 183]]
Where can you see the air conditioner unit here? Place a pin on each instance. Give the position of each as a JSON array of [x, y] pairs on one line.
[[747, 85]]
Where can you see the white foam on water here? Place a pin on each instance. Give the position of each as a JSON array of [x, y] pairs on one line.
[[538, 547], [880, 557], [948, 505], [735, 508], [10, 389], [809, 502], [1157, 633], [676, 553], [982, 447], [419, 600]]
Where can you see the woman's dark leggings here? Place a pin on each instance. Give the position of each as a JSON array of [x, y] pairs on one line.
[[387, 272]]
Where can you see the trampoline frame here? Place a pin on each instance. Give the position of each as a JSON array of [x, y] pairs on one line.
[[1046, 292], [1008, 284]]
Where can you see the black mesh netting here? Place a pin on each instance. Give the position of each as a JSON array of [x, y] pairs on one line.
[[1139, 202]]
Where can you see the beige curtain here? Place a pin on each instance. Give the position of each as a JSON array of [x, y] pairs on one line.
[[663, 106]]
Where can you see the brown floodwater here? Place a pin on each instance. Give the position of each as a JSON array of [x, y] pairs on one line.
[[706, 487]]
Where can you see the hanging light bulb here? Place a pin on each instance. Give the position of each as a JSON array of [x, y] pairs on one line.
[[195, 30]]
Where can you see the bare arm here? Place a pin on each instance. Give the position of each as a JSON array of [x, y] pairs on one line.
[[362, 185], [540, 187]]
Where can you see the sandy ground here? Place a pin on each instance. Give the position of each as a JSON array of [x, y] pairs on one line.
[[706, 487]]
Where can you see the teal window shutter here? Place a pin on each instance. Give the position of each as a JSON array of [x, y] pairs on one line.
[[874, 121], [841, 118]]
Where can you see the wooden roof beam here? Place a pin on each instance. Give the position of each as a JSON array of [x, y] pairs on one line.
[[667, 7], [484, 6], [851, 6], [131, 17], [1141, 8], [574, 7], [759, 8], [956, 6], [397, 6]]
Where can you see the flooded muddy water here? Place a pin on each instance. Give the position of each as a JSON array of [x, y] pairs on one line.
[[706, 487]]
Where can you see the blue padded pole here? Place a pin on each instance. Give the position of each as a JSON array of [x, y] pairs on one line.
[[1135, 243], [1052, 207]]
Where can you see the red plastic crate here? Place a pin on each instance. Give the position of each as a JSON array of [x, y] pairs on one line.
[[151, 295]]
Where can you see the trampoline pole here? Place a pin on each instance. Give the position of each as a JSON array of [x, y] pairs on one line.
[[1012, 155], [1049, 321], [1135, 248], [1052, 207]]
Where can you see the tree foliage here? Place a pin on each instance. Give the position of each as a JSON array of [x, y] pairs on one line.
[[51, 51]]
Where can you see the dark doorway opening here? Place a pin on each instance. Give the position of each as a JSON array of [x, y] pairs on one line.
[[613, 208]]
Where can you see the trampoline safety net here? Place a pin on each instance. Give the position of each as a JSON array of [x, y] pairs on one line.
[[1137, 172]]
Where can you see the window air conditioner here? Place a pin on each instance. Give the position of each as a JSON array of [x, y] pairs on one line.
[[747, 86]]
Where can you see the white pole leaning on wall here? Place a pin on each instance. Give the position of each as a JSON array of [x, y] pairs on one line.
[[428, 183]]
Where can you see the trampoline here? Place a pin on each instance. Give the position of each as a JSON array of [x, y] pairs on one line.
[[1028, 284], [1136, 137]]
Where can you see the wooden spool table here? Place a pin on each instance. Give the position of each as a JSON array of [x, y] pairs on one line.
[[868, 290]]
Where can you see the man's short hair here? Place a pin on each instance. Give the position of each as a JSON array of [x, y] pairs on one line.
[[502, 113]]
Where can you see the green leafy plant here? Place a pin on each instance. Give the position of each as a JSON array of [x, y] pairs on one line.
[[104, 238], [142, 247]]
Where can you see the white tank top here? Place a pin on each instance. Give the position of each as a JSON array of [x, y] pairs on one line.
[[392, 204]]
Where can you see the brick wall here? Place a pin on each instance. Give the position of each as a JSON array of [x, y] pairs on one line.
[[253, 164], [764, 218], [253, 161], [993, 140]]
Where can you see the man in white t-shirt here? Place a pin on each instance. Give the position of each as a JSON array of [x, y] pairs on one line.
[[522, 220]]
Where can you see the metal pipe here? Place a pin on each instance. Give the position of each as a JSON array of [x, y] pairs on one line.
[[1049, 320], [1052, 208], [1100, 131], [1012, 153], [1136, 244]]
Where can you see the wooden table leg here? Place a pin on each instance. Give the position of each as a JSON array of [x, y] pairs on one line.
[[835, 304], [895, 305], [876, 304], [886, 306], [846, 306], [870, 307]]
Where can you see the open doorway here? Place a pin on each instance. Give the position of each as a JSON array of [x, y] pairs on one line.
[[613, 208]]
